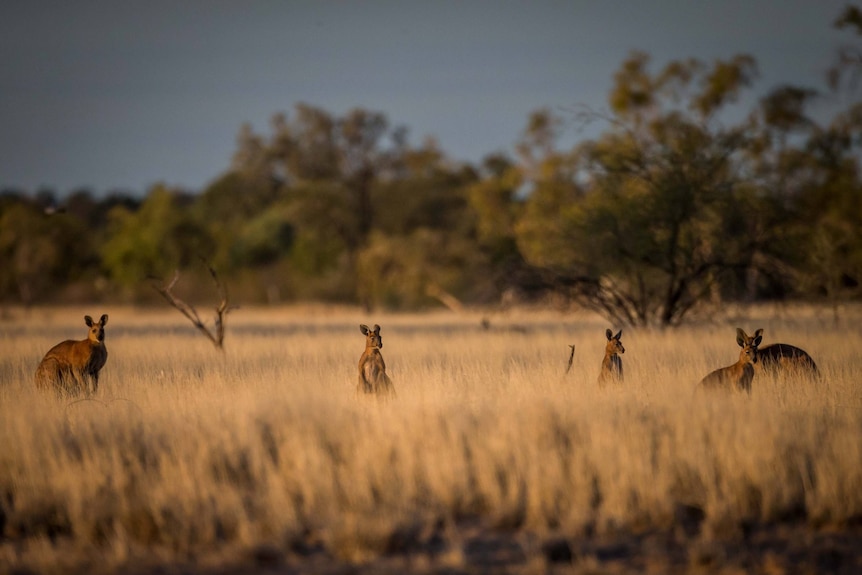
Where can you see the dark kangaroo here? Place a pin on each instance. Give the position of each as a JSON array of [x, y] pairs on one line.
[[785, 358]]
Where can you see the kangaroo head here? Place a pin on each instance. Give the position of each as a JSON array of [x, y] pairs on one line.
[[372, 336], [614, 344], [748, 344], [97, 329]]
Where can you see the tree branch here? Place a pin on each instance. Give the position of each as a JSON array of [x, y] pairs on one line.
[[222, 309]]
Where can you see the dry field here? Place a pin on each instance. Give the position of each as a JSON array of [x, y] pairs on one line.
[[261, 460]]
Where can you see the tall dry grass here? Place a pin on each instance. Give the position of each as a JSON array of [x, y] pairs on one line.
[[190, 455]]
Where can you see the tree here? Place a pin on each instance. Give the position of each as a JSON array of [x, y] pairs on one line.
[[428, 193], [227, 208], [323, 170], [153, 241], [494, 201], [41, 252], [340, 180], [337, 157], [809, 173], [651, 212], [845, 71], [408, 272], [828, 206]]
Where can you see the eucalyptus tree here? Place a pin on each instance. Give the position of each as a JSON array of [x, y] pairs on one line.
[[652, 212]]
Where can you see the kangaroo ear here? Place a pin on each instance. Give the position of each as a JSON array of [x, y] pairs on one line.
[[104, 320], [88, 320], [363, 328], [741, 337], [609, 334], [619, 334], [757, 339], [376, 328], [758, 333]]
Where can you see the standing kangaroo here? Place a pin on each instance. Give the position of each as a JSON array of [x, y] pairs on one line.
[[782, 357], [736, 377], [72, 367], [612, 364], [372, 368]]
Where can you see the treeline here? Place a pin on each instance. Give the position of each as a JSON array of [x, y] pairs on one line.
[[681, 199]]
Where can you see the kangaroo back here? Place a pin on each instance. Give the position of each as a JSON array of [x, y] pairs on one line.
[[782, 357]]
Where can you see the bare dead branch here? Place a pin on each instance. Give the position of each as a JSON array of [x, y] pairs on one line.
[[444, 297], [222, 309], [571, 358]]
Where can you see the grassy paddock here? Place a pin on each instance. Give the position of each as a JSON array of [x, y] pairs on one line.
[[194, 456]]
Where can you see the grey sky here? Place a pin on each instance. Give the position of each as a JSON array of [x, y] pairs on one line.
[[125, 94]]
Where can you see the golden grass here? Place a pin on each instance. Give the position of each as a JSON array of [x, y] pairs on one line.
[[194, 456]]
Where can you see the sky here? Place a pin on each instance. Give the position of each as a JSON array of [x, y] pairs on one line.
[[123, 95]]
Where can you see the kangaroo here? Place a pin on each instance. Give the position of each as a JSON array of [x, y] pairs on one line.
[[736, 377], [782, 357], [612, 364], [72, 367], [372, 368]]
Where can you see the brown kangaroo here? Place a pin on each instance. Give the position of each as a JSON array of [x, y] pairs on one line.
[[782, 357], [72, 367], [736, 377], [372, 368], [612, 364]]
